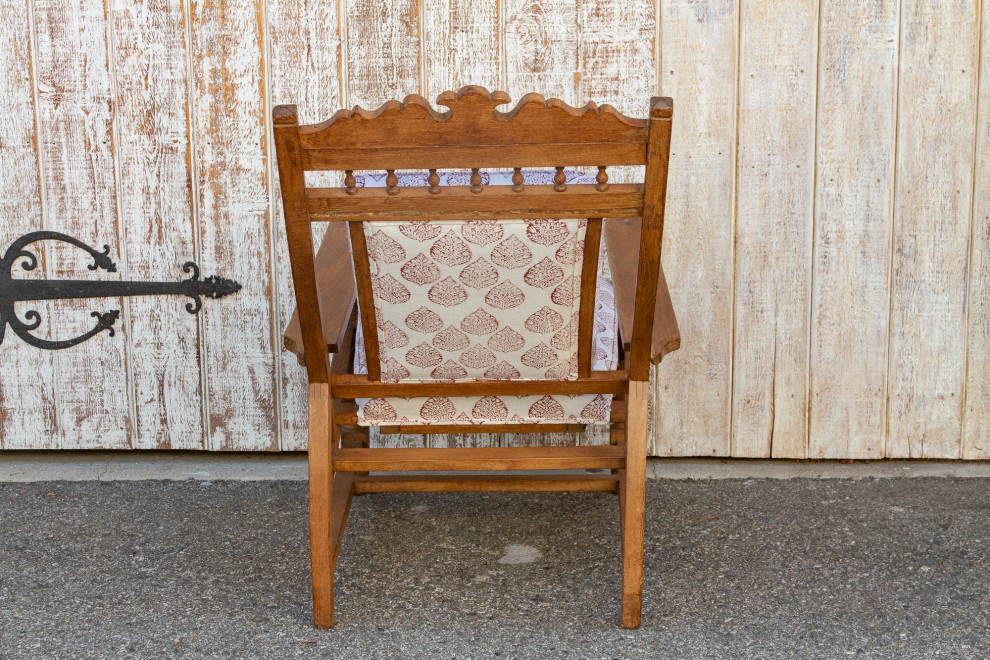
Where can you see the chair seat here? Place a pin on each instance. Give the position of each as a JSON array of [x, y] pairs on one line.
[[481, 410]]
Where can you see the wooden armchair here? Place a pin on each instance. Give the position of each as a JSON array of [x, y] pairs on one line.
[[489, 314]]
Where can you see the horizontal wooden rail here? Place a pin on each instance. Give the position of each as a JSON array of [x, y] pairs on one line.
[[474, 155], [449, 483], [482, 428], [352, 386], [609, 457], [459, 203]]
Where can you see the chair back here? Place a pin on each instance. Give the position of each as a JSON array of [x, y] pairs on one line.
[[475, 275]]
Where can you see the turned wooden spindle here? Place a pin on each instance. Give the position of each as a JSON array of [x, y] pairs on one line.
[[559, 180], [601, 179], [434, 181], [517, 179], [391, 183], [475, 180], [350, 184]]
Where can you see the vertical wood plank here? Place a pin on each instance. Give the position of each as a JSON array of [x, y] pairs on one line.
[[156, 208], [853, 216], [698, 69], [618, 55], [976, 416], [76, 143], [27, 392], [232, 150], [541, 48], [774, 207], [305, 59], [382, 51], [460, 45], [933, 196], [542, 55], [382, 61]]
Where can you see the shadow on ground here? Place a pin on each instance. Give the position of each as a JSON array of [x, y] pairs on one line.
[[734, 569]]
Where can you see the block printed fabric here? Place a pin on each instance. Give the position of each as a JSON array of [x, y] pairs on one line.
[[483, 300]]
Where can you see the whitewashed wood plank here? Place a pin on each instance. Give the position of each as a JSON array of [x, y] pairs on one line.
[[231, 145], [698, 69], [305, 60], [542, 55], [542, 48], [976, 416], [465, 440], [774, 207], [382, 51], [853, 219], [76, 151], [27, 392], [619, 54], [460, 46], [933, 195], [156, 210], [619, 65], [382, 62], [540, 439]]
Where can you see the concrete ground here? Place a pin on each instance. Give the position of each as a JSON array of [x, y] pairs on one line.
[[735, 568]]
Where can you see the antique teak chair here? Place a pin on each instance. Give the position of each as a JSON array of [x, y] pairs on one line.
[[485, 316]]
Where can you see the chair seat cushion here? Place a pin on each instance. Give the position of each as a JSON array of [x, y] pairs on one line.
[[505, 409]]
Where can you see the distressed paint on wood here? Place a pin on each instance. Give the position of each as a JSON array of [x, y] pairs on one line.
[[383, 62], [232, 150], [305, 65], [460, 46], [542, 48], [939, 47], [853, 215], [156, 209], [27, 379], [76, 145], [774, 206], [698, 69], [976, 415], [619, 53], [383, 51], [577, 51], [542, 53]]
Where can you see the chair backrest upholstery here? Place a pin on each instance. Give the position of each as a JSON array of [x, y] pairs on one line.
[[518, 261], [482, 299]]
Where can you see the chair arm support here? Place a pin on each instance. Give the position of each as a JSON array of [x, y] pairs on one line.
[[622, 245], [335, 284]]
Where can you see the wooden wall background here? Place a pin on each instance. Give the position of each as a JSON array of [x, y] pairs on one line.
[[828, 233]]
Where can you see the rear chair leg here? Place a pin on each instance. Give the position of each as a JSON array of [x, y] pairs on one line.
[[320, 485], [633, 504]]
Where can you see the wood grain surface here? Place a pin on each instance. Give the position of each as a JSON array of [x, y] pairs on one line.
[[854, 191], [775, 181], [939, 58], [826, 239]]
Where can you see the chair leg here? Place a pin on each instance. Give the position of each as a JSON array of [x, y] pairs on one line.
[[320, 514], [633, 504]]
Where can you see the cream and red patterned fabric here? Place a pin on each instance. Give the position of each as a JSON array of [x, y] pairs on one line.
[[483, 300]]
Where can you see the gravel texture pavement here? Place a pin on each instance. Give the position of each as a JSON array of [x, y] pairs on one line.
[[871, 568]]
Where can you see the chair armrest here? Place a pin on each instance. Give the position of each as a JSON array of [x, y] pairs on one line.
[[335, 288], [622, 244]]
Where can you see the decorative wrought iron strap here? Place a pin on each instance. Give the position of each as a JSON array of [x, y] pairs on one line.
[[14, 290]]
